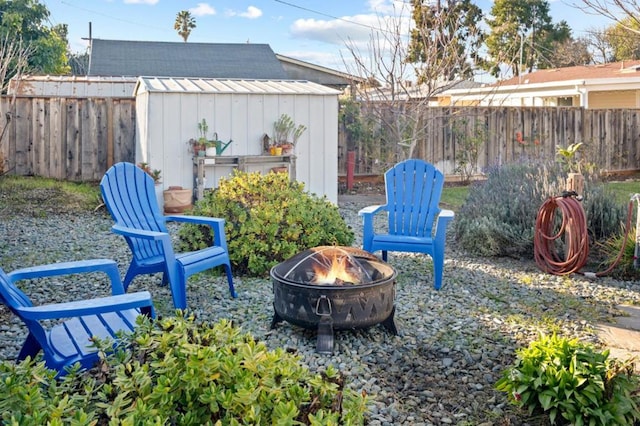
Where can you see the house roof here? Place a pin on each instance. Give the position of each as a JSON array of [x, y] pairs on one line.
[[171, 59], [622, 69], [301, 70]]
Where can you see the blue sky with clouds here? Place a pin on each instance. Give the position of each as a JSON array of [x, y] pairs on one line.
[[311, 30]]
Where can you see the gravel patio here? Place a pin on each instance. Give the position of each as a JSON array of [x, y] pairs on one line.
[[453, 343]]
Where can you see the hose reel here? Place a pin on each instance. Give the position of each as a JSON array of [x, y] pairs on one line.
[[571, 235]]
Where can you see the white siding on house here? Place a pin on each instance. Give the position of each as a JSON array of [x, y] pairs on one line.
[[168, 111]]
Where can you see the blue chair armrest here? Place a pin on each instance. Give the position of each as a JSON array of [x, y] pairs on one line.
[[372, 210], [216, 223], [444, 218], [200, 220], [108, 266], [138, 233], [88, 307]]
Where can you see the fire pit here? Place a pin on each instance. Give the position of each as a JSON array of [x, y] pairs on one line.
[[327, 288]]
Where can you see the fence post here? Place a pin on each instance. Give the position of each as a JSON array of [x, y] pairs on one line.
[[351, 164]]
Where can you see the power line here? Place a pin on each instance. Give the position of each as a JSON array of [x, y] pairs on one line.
[[138, 23], [326, 15]]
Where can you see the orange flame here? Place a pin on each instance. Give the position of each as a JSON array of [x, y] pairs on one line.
[[337, 270]]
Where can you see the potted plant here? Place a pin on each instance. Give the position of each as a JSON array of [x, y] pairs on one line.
[[198, 147], [286, 133], [155, 175]]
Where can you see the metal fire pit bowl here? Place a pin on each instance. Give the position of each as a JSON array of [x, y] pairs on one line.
[[337, 305]]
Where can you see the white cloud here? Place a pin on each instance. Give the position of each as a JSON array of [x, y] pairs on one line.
[[151, 2], [387, 7], [252, 12], [336, 31], [202, 9]]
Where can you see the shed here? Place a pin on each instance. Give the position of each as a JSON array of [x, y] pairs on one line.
[[168, 111]]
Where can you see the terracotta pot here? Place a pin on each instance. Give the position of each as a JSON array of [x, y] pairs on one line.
[[177, 199]]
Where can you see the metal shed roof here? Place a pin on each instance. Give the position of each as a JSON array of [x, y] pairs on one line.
[[220, 86]]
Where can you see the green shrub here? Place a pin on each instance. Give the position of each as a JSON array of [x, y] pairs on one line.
[[572, 383], [181, 372], [610, 250], [499, 214], [268, 219]]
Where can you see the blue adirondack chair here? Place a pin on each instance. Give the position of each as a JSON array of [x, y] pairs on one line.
[[129, 195], [413, 189], [69, 342]]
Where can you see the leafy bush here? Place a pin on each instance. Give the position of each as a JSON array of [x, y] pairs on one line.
[[268, 219], [499, 215], [611, 248], [180, 372], [572, 383]]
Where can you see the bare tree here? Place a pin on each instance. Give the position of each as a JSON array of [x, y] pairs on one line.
[[598, 44], [618, 11], [14, 62], [397, 103]]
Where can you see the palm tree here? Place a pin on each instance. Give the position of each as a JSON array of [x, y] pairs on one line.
[[184, 24]]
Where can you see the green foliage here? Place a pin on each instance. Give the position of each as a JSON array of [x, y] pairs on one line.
[[499, 215], [30, 395], [444, 39], [268, 219], [521, 34], [572, 383], [286, 131], [469, 144], [181, 372], [184, 23], [26, 20], [611, 249], [624, 43], [568, 157]]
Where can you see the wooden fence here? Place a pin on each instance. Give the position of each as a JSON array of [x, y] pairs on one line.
[[611, 137], [74, 139], [78, 139]]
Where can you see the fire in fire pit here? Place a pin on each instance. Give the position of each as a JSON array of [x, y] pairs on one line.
[[334, 288]]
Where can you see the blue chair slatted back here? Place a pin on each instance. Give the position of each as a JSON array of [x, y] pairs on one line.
[[129, 194], [413, 189]]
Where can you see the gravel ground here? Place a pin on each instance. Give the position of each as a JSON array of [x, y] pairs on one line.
[[452, 344]]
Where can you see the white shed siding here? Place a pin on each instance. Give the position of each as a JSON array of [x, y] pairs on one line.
[[168, 111]]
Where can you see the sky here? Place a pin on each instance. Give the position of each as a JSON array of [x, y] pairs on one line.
[[315, 31]]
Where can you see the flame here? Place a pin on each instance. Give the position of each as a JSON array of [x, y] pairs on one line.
[[335, 269]]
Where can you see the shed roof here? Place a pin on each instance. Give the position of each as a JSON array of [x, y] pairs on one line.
[[213, 85], [170, 59]]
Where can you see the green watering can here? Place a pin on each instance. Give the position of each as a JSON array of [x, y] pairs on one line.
[[220, 146]]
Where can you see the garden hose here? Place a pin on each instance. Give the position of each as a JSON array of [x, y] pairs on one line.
[[573, 231]]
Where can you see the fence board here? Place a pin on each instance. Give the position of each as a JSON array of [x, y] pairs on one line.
[[611, 137], [79, 138], [73, 139]]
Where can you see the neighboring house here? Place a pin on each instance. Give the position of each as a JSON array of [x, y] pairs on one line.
[[300, 70], [418, 92], [206, 60], [613, 85], [169, 59]]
